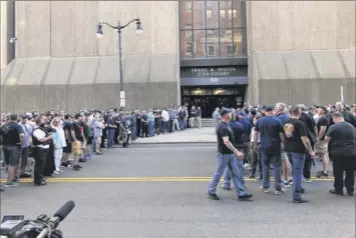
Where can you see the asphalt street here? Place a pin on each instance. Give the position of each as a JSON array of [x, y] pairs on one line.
[[160, 191]]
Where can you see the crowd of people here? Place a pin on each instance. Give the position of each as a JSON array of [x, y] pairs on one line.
[[56, 140], [285, 140], [262, 138]]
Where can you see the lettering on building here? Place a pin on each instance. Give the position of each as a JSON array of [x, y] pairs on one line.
[[213, 72]]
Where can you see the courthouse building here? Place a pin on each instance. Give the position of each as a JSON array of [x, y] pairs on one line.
[[206, 53]]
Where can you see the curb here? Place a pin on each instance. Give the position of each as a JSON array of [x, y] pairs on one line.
[[179, 142]]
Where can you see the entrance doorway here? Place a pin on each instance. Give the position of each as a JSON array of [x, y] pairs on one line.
[[209, 98]]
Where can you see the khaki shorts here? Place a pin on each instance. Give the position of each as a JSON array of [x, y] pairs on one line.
[[84, 145], [321, 147], [98, 140], [77, 147]]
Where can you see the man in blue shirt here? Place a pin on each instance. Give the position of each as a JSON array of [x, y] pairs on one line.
[[245, 137], [270, 130], [281, 114]]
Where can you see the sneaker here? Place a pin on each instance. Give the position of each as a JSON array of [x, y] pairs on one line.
[[99, 153], [226, 188], [265, 190], [286, 184], [252, 176], [25, 175], [11, 184], [245, 197], [213, 196], [76, 168], [333, 191], [16, 180], [57, 172], [83, 160], [41, 183], [351, 194], [307, 180], [278, 191], [322, 174], [302, 200]]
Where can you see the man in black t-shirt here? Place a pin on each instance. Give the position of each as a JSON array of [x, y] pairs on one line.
[[296, 142], [227, 156], [342, 140], [12, 139], [321, 146], [311, 129], [77, 134]]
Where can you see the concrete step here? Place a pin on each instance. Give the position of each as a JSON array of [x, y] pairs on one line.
[[207, 122]]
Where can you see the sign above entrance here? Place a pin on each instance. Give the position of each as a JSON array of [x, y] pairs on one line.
[[213, 72]]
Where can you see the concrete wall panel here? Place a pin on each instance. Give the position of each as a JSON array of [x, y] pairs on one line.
[[84, 71], [165, 37], [85, 22], [164, 68], [54, 97], [299, 65], [349, 60], [301, 25], [328, 64], [270, 65], [346, 24], [137, 68], [33, 72], [34, 28], [63, 29], [108, 71], [272, 91], [59, 71], [106, 95]]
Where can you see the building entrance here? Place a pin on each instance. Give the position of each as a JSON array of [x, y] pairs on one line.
[[209, 98]]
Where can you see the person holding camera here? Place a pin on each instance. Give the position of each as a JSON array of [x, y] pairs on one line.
[[41, 139]]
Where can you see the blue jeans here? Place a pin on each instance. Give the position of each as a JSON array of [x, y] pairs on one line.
[[228, 161], [134, 133], [151, 127], [111, 135], [268, 158], [241, 172], [297, 160]]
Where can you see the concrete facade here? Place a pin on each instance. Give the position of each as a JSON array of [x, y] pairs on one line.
[[298, 52], [61, 64], [301, 51], [3, 34]]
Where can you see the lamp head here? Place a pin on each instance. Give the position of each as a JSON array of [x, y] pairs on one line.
[[99, 30], [139, 29]]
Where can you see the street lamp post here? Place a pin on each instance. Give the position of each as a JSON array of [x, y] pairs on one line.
[[119, 27]]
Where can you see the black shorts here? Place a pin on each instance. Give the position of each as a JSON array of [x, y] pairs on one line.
[[68, 149], [90, 140], [12, 155]]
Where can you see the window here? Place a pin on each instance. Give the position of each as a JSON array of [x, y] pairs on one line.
[[187, 44], [212, 28], [212, 40], [239, 42], [199, 44], [226, 45], [225, 19], [199, 15], [212, 13], [186, 16]]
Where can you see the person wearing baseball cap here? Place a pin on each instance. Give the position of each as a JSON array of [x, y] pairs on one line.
[[271, 134], [227, 156]]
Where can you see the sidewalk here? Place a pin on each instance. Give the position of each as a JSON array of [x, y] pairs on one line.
[[196, 135]]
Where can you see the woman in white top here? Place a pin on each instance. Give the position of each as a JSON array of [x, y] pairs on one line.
[[59, 142]]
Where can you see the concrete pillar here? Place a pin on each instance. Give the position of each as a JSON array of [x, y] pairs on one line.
[[3, 33]]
